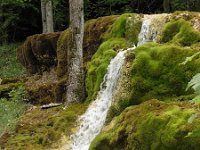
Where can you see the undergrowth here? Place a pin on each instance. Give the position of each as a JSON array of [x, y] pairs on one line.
[[39, 128], [11, 109], [9, 65]]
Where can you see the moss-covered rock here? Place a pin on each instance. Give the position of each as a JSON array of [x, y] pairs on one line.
[[152, 125], [180, 32], [38, 52], [41, 88]]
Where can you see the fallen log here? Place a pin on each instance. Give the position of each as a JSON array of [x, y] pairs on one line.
[[50, 105]]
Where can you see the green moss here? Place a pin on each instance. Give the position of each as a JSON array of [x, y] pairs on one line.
[[97, 68], [152, 125], [180, 32], [38, 128], [133, 27], [118, 29], [157, 72], [127, 26]]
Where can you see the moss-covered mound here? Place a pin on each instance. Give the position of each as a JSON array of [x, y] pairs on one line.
[[180, 32], [41, 87], [38, 52], [152, 125], [158, 72]]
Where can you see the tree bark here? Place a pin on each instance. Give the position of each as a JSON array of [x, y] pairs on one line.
[[47, 16], [43, 11], [75, 84], [166, 6]]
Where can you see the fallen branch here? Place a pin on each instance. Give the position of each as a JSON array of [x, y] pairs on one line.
[[50, 105]]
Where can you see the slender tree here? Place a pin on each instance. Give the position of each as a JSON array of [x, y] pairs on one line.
[[166, 5], [47, 15], [75, 83]]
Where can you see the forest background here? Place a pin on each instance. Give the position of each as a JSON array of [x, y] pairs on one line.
[[21, 18]]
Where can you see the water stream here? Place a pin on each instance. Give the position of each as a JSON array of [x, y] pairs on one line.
[[92, 121], [94, 118]]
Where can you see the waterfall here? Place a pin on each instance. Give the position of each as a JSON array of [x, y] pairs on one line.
[[151, 29], [92, 121], [94, 118]]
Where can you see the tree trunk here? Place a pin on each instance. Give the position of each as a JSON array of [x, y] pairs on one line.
[[166, 6], [75, 83], [43, 11], [49, 15]]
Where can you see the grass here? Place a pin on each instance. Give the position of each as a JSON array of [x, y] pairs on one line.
[[9, 65], [11, 108]]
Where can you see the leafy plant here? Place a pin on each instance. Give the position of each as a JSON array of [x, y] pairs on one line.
[[195, 85]]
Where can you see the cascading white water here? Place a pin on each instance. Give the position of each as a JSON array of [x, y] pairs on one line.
[[94, 118], [151, 28]]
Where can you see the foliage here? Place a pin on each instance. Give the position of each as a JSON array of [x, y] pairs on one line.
[[192, 5], [12, 108], [60, 14], [152, 125], [14, 24], [195, 85], [9, 65]]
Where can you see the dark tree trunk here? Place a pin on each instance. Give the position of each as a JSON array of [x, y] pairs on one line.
[[166, 6]]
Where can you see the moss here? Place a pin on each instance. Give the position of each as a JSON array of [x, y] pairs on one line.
[[127, 26], [180, 32], [38, 128], [152, 125], [133, 27], [118, 29], [154, 76], [97, 67], [38, 52]]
